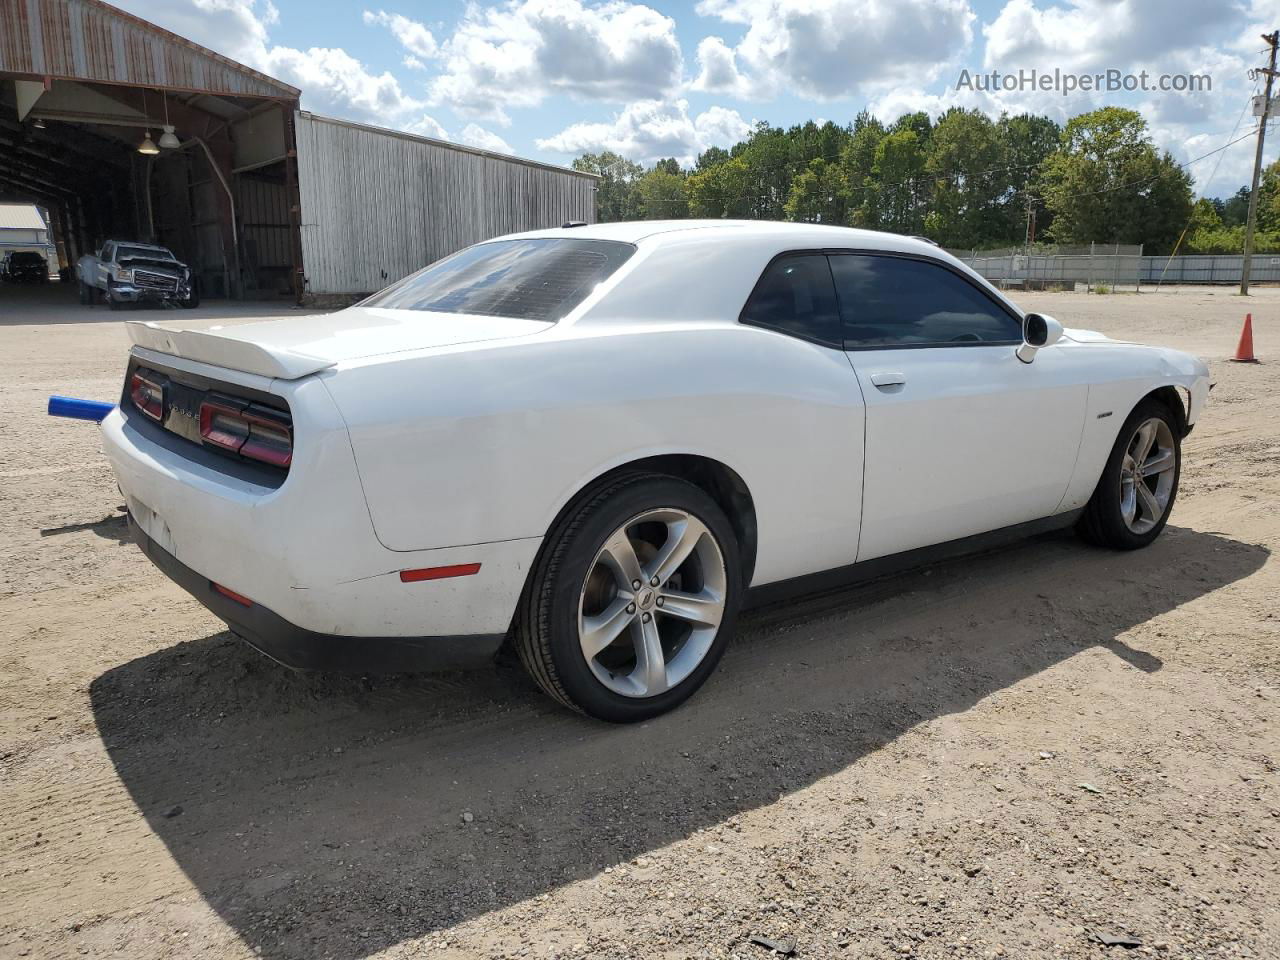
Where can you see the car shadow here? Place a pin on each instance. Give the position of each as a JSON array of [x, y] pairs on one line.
[[322, 815], [114, 527]]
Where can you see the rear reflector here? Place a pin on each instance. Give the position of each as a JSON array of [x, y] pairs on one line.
[[232, 595], [439, 573]]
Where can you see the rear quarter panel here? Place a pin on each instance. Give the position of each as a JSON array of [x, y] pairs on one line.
[[489, 442]]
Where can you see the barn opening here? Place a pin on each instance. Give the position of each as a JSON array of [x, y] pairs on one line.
[[121, 130]]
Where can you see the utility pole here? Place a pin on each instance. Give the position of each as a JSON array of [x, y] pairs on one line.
[[1273, 40]]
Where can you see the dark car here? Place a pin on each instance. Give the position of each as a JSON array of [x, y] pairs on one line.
[[25, 266]]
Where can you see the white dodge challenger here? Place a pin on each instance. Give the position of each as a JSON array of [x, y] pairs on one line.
[[599, 442]]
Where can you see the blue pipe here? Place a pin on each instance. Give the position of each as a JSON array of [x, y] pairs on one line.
[[78, 409]]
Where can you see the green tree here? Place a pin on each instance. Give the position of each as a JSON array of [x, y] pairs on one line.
[[895, 189], [1108, 183], [616, 197], [817, 194], [1235, 210], [722, 190], [857, 163], [663, 194], [711, 157], [965, 162], [1027, 141], [1268, 198]]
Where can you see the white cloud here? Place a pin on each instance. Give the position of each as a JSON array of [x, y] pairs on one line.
[[426, 126], [333, 81], [234, 28], [718, 70], [827, 49], [413, 36], [649, 130], [519, 53], [1090, 34], [477, 136]]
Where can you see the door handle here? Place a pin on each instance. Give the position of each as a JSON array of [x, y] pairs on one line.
[[888, 379]]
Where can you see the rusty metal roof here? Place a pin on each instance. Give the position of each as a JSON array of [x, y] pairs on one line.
[[93, 41]]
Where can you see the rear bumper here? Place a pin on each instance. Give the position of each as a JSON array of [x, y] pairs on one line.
[[301, 649], [305, 550]]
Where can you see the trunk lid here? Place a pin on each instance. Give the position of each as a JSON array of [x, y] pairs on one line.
[[291, 347]]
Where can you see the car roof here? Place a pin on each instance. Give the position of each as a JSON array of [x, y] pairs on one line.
[[786, 234]]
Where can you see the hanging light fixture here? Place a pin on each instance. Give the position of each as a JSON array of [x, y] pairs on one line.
[[147, 147], [38, 123], [168, 139]]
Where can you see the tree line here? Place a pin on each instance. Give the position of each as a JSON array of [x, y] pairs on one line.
[[965, 181]]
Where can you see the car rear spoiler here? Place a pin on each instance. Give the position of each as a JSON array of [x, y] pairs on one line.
[[224, 349]]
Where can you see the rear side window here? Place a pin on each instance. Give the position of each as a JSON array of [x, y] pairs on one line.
[[795, 295], [895, 301], [538, 279]]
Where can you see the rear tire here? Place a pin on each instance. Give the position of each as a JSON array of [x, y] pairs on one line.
[[597, 643], [1135, 494]]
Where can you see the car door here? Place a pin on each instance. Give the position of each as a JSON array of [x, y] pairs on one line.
[[962, 437]]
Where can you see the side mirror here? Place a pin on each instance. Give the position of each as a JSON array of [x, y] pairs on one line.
[[1038, 330]]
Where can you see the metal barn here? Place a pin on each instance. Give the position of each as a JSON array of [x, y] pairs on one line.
[[123, 130], [377, 205]]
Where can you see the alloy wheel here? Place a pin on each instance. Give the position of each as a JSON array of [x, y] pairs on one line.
[[1147, 475], [652, 602]]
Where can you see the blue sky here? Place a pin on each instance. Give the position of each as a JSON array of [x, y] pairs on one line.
[[550, 79]]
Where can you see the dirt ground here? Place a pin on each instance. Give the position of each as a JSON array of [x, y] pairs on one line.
[[999, 756]]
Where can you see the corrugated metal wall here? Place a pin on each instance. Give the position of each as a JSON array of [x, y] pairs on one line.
[[1210, 268], [377, 205], [88, 40]]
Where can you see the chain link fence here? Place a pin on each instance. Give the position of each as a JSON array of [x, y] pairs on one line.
[[1097, 267]]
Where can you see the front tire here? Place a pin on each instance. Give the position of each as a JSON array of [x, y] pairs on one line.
[[633, 599], [1139, 483]]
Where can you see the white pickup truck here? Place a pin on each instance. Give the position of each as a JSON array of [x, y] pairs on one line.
[[125, 272]]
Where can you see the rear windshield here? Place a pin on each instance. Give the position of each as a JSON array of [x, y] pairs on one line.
[[538, 279]]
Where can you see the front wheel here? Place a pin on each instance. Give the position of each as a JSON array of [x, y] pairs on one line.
[[633, 599], [1135, 494]]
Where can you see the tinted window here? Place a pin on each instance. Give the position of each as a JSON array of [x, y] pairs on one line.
[[540, 279], [890, 301], [795, 295]]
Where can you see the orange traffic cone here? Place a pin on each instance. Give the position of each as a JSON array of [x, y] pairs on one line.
[[1244, 351]]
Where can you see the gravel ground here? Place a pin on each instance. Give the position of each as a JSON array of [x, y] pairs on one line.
[[1001, 756]]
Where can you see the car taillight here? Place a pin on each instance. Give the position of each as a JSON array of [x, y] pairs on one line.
[[147, 396], [255, 432]]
